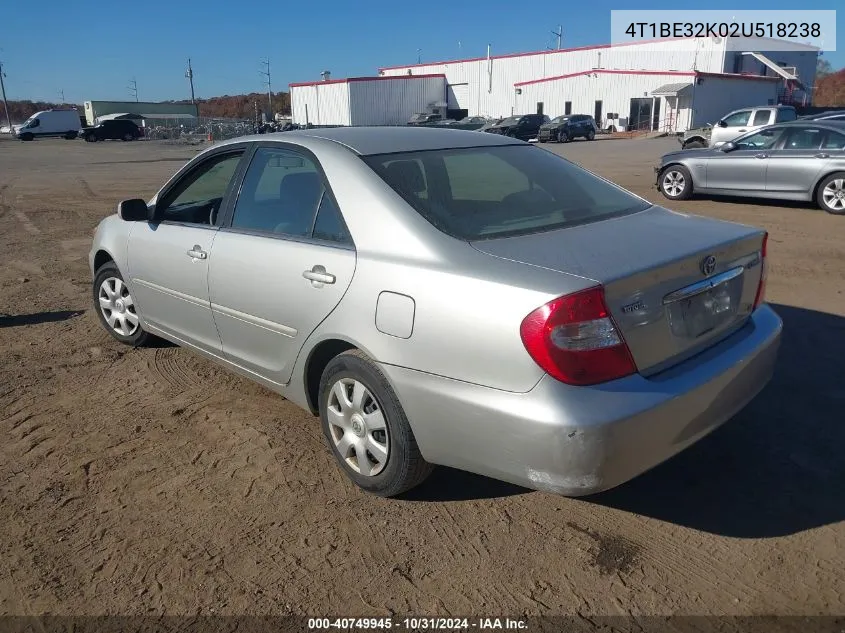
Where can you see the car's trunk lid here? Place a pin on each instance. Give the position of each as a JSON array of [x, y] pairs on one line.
[[655, 267]]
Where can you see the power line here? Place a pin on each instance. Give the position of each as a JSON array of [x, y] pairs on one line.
[[266, 73], [190, 75], [5, 103]]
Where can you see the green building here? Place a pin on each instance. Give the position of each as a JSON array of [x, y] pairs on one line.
[[140, 110]]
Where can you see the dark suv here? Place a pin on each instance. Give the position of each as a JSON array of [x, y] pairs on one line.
[[115, 129], [567, 127], [523, 127]]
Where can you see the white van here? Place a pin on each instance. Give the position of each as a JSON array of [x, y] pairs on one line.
[[64, 123]]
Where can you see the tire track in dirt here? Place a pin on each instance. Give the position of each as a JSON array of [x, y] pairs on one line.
[[87, 188], [175, 367]]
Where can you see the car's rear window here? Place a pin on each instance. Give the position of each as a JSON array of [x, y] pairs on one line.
[[486, 192]]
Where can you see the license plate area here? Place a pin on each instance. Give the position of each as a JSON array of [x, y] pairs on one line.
[[706, 306]]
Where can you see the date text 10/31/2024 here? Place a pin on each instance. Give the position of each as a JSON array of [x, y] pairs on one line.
[[418, 624]]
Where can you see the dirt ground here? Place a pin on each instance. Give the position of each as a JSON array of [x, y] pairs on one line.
[[150, 481]]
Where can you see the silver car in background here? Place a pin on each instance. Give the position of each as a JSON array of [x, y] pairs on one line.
[[799, 160], [444, 297]]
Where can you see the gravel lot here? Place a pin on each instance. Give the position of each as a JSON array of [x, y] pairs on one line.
[[150, 481]]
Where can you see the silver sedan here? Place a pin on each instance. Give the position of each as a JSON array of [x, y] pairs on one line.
[[445, 297], [799, 160]]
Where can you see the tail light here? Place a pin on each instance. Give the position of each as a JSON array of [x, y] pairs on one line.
[[574, 339], [761, 288]]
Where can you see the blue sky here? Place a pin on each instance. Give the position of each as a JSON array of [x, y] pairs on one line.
[[52, 47]]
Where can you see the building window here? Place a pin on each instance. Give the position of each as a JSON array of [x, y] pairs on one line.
[[567, 107]]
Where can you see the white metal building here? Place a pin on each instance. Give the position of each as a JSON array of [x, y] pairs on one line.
[[367, 100], [722, 75], [645, 99]]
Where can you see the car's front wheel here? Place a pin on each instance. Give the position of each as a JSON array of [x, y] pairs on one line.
[[676, 182], [116, 307], [562, 136], [831, 194], [367, 429], [694, 145], [591, 135]]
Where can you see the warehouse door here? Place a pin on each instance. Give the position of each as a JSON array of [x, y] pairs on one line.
[[457, 96], [640, 115]]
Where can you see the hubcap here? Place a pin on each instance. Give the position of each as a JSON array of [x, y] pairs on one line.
[[357, 426], [834, 194], [674, 183], [117, 306]]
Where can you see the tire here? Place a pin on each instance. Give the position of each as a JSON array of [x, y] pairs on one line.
[[694, 145], [675, 182], [591, 135], [395, 463], [92, 138], [27, 137], [70, 136], [109, 285], [830, 194], [129, 136], [562, 136]]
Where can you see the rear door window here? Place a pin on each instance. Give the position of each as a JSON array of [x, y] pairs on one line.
[[834, 141], [803, 138], [762, 117]]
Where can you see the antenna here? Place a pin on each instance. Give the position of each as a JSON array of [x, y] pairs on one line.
[[5, 103], [266, 73], [190, 75], [133, 90], [559, 34]]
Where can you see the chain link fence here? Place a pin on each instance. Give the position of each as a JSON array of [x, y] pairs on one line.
[[196, 130]]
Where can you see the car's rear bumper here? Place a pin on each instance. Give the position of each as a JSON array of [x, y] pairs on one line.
[[577, 441]]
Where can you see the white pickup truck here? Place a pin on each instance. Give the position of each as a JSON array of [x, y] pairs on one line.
[[736, 124]]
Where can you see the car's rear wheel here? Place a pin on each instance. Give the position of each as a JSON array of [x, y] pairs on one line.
[[128, 136], [116, 307], [831, 194], [562, 136], [676, 182], [366, 427]]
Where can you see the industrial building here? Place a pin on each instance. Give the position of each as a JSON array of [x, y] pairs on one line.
[[669, 85], [367, 100], [145, 114]]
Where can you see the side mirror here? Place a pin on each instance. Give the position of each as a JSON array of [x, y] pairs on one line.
[[134, 210], [727, 147], [722, 124]]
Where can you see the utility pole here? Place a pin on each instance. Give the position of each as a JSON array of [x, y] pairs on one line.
[[5, 103], [419, 55], [133, 89], [559, 35], [62, 95], [266, 73], [190, 75]]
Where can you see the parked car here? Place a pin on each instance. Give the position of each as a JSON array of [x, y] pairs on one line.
[[47, 123], [421, 118], [442, 297], [735, 124], [567, 127], [524, 127], [470, 123], [798, 160], [112, 129], [830, 115]]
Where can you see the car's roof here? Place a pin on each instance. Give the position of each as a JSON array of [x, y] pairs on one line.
[[838, 125], [390, 139]]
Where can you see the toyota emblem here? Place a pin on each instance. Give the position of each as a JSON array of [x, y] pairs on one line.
[[708, 265]]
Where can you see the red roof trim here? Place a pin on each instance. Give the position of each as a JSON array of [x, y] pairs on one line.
[[509, 55], [669, 73], [347, 80]]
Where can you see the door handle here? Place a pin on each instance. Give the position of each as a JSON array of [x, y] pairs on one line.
[[822, 155], [318, 276], [741, 131], [197, 253], [761, 155]]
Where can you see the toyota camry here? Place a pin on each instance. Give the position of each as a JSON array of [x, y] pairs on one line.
[[445, 297]]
